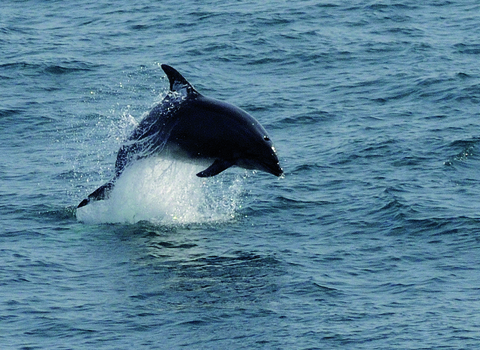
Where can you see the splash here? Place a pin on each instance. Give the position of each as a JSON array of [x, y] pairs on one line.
[[164, 191]]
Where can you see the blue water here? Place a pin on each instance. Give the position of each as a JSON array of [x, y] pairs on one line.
[[371, 240]]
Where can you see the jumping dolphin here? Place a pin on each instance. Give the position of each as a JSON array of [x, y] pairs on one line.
[[189, 126]]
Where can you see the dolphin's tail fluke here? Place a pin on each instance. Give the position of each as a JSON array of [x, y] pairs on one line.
[[101, 193]]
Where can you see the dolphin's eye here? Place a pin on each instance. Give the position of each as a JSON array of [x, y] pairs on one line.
[[266, 138]]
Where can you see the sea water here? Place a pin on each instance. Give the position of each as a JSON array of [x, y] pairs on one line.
[[371, 240]]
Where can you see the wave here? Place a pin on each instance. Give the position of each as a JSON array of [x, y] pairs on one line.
[[410, 210], [466, 150], [52, 68], [66, 68]]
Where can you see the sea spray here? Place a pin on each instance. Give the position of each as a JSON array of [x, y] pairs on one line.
[[165, 191]]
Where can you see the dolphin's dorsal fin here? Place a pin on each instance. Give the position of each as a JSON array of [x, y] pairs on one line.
[[177, 82]]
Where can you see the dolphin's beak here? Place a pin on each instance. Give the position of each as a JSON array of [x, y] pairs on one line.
[[275, 169], [272, 166]]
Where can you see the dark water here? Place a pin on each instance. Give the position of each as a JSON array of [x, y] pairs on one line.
[[370, 241]]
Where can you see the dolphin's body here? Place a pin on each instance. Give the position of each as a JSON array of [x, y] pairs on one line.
[[191, 127]]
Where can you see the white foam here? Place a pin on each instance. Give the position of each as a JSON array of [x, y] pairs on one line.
[[165, 191]]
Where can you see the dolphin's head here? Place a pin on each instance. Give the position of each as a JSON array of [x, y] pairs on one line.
[[240, 139], [261, 156], [209, 129]]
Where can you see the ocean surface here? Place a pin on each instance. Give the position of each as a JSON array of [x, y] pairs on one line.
[[371, 239]]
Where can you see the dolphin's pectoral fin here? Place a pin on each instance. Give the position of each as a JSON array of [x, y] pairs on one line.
[[103, 192], [216, 168]]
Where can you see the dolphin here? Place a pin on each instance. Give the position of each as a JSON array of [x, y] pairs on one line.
[[194, 128]]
